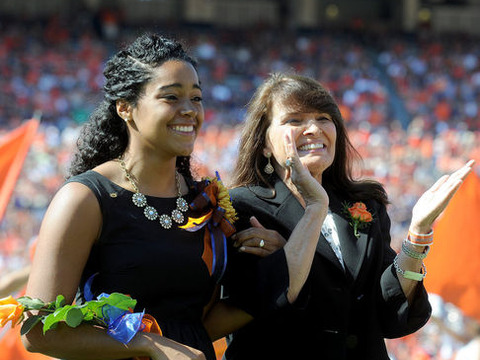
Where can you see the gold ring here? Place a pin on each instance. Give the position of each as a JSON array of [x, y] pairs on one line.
[[262, 243], [289, 162]]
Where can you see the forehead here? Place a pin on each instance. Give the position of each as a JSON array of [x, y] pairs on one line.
[[282, 106], [174, 72]]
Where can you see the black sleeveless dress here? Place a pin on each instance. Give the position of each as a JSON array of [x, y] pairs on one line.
[[162, 269]]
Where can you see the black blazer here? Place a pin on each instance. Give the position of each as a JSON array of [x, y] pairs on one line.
[[339, 314]]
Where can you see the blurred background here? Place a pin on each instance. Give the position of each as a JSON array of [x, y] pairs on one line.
[[405, 73]]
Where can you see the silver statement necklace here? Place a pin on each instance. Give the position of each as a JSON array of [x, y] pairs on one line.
[[150, 212]]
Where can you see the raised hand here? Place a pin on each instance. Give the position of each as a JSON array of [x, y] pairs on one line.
[[250, 240], [432, 203], [308, 187]]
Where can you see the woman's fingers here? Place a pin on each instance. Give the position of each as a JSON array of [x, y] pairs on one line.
[[262, 252], [439, 183], [255, 223], [455, 179], [463, 172], [434, 201], [253, 237], [308, 187], [292, 163], [257, 240], [449, 184]]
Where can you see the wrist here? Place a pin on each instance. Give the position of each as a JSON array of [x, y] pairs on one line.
[[408, 274], [316, 208], [142, 344], [414, 251], [420, 230], [420, 239]]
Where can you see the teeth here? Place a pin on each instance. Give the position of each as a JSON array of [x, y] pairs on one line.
[[188, 128], [311, 147]]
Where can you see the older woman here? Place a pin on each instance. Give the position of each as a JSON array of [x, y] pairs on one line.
[[336, 289]]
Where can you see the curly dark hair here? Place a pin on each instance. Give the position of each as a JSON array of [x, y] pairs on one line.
[[104, 136]]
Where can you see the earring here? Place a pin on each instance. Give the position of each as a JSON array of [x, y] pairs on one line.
[[268, 168]]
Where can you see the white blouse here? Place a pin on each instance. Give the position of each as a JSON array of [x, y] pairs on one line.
[[329, 231]]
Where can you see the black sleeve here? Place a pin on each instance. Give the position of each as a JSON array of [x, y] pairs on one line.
[[399, 318], [257, 285]]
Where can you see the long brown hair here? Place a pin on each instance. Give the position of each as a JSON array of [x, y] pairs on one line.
[[305, 94]]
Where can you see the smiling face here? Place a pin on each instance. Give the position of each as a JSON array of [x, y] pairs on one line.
[[314, 133], [169, 114]]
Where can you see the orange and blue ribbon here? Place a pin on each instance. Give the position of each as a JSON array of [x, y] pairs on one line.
[[217, 229]]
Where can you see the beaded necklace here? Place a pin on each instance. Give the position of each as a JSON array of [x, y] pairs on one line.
[[150, 212]]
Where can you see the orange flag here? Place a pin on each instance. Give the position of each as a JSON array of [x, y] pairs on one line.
[[453, 265], [13, 150], [11, 348]]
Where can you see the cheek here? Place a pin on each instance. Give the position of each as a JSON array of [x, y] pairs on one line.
[[276, 143], [331, 131], [200, 119]]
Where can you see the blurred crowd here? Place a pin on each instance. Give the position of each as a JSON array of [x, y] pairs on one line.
[[410, 104]]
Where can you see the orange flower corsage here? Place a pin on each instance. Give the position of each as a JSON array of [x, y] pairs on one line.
[[359, 216]]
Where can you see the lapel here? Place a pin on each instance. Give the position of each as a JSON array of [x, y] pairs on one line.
[[353, 248], [290, 211]]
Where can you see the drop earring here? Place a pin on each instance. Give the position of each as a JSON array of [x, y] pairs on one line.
[[268, 169]]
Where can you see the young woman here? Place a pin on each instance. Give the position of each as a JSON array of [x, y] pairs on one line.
[[117, 217]]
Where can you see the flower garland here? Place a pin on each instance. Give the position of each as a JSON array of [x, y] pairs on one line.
[[223, 199], [359, 216], [114, 312]]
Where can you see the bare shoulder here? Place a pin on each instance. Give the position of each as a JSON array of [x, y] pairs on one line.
[[69, 229], [75, 195], [74, 211]]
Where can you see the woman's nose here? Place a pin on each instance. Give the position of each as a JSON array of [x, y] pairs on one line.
[[188, 110], [312, 128]]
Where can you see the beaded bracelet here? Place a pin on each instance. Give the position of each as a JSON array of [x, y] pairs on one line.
[[420, 239], [414, 254], [410, 275]]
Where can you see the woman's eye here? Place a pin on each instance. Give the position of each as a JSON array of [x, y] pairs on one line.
[[293, 121], [324, 118], [170, 97], [197, 99]]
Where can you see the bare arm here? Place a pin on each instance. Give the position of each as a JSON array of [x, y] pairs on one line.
[[70, 227], [299, 250], [301, 245], [427, 209], [223, 319]]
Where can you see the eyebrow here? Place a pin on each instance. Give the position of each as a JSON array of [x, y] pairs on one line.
[[297, 113], [291, 114], [177, 85]]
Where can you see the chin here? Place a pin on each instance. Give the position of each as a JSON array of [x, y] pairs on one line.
[[316, 168], [185, 152]]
